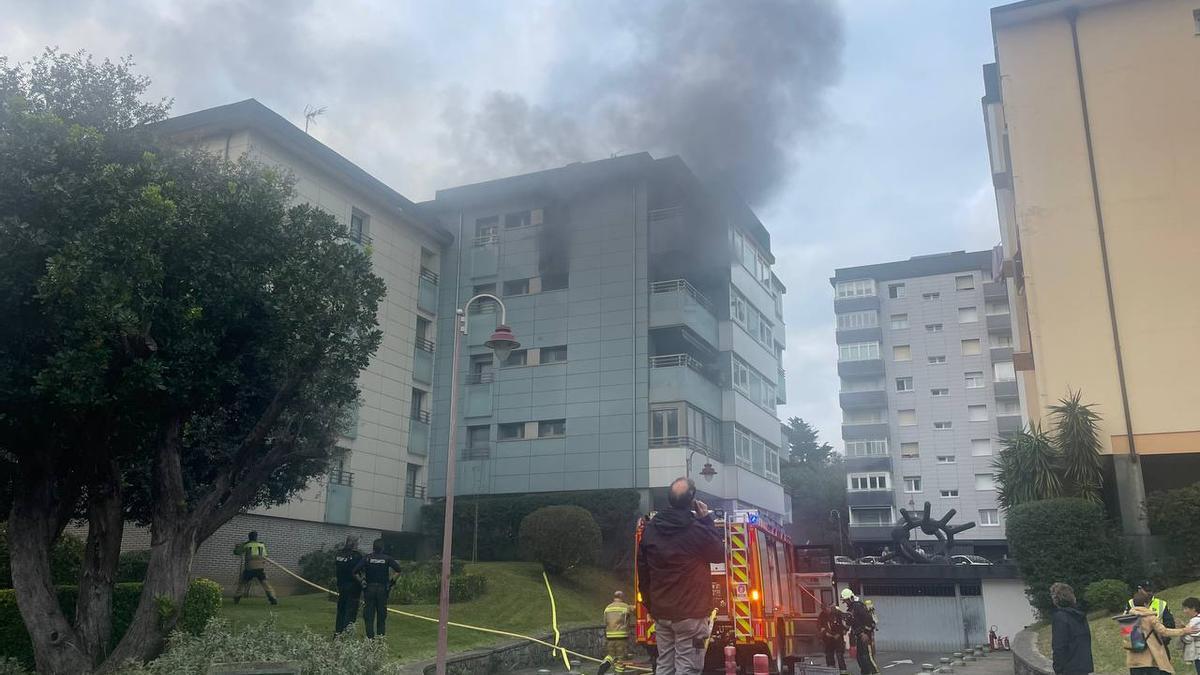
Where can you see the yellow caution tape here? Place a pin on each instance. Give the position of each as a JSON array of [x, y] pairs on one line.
[[554, 621]]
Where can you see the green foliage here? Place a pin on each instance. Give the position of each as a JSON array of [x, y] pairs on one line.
[[804, 446], [466, 587], [201, 603], [132, 565], [66, 559], [815, 478], [318, 567], [561, 538], [1077, 436], [1027, 468], [188, 654], [420, 583], [1067, 540], [11, 666], [614, 511], [1175, 514], [1107, 594]]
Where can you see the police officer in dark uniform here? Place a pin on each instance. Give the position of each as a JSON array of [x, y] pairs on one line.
[[349, 588], [376, 570]]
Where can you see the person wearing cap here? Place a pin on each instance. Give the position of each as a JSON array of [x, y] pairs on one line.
[[616, 634], [1159, 607], [349, 588], [862, 630]]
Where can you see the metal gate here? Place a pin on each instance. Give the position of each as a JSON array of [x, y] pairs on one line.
[[927, 617]]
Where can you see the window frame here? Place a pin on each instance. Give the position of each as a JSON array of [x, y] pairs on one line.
[[509, 293], [946, 459], [948, 493], [936, 360], [973, 379], [850, 320], [994, 517], [543, 425], [900, 417], [868, 481], [934, 328], [943, 425], [989, 452], [502, 427], [958, 286], [897, 291], [903, 320], [896, 350], [854, 288], [973, 412], [870, 349], [904, 384], [556, 349], [939, 392], [904, 454], [912, 485], [965, 344], [932, 295]]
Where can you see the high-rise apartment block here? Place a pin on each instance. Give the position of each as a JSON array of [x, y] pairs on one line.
[[927, 390], [651, 332]]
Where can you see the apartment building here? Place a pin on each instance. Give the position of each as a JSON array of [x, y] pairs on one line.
[[378, 479], [651, 332], [927, 390], [1092, 122]]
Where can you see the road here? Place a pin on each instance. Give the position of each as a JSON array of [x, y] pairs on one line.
[[897, 662]]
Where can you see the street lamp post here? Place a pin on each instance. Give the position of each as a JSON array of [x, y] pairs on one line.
[[708, 471], [502, 343]]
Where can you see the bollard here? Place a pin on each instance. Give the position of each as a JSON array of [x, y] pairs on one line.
[[730, 660], [945, 661], [927, 667], [762, 664], [958, 655]]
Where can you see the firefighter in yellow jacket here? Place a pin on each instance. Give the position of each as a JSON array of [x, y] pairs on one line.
[[254, 563], [617, 617]]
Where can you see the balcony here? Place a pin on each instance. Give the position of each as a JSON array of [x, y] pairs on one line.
[[427, 291], [999, 323], [862, 463], [995, 290], [477, 451], [423, 361], [781, 388], [1001, 354], [678, 303], [852, 400], [680, 377], [856, 304], [869, 498], [852, 335], [871, 533], [686, 442], [864, 432], [418, 435], [1007, 425], [1005, 389], [860, 368]]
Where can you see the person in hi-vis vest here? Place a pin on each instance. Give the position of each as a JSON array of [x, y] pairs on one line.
[[616, 633], [254, 563]]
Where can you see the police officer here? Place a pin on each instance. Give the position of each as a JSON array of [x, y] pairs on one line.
[[349, 588], [616, 632], [376, 571], [254, 563]]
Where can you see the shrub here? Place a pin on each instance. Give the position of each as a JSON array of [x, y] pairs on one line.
[[10, 666], [416, 589], [420, 584], [201, 603], [465, 587], [66, 559], [1067, 540], [1109, 594], [561, 538], [1175, 514], [317, 567], [132, 566]]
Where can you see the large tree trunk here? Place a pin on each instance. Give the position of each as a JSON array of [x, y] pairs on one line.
[[31, 529], [93, 612]]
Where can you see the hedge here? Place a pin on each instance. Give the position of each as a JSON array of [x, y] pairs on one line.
[[500, 516], [1175, 514], [198, 607], [561, 538]]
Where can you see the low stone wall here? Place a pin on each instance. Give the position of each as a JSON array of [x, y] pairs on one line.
[[1027, 660], [517, 655]]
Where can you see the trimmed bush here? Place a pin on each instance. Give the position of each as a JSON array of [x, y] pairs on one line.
[[1175, 514], [131, 567], [465, 587], [66, 559], [1067, 540], [420, 584], [1109, 594], [561, 538], [318, 567], [201, 603]]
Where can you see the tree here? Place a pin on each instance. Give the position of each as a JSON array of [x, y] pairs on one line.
[[179, 345], [803, 445], [1077, 435], [815, 477], [1027, 468], [561, 538]]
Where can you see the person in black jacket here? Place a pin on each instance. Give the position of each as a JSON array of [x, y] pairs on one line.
[[862, 632], [1071, 638], [674, 578], [831, 627], [376, 569], [349, 588]]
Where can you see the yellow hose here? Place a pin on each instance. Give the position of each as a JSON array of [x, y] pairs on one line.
[[554, 621]]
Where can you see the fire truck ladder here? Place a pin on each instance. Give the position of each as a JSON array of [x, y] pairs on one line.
[[739, 572]]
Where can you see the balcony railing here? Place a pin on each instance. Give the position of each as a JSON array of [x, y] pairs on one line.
[[666, 213], [424, 345], [421, 416], [681, 285], [482, 377], [341, 477], [359, 238], [414, 491], [685, 442], [429, 275], [677, 360], [485, 239], [477, 452]]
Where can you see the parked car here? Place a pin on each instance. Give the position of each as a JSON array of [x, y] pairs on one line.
[[970, 560], [843, 560], [870, 560]]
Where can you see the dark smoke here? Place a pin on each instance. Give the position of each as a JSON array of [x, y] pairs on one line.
[[730, 85]]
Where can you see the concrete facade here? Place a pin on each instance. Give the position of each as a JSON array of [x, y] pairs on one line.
[[927, 392], [636, 359], [1092, 122]]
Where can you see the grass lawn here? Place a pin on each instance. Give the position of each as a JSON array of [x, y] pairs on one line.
[[515, 601], [1107, 654]]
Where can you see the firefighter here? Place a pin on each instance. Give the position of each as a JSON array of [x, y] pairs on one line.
[[376, 572], [349, 588], [862, 629], [831, 626], [254, 563], [874, 620], [616, 633]]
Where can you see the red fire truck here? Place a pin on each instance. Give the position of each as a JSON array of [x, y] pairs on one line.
[[767, 594]]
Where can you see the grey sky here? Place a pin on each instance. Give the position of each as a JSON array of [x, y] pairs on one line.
[[864, 143]]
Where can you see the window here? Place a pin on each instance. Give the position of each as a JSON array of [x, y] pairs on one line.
[[945, 459], [931, 296], [965, 282], [519, 357], [664, 423], [479, 436], [483, 304], [482, 369], [910, 450], [412, 484], [984, 482], [552, 428], [748, 381], [1000, 340], [936, 360], [899, 321], [942, 391], [518, 219], [989, 517], [906, 418], [981, 447], [933, 328], [852, 320], [1008, 407], [876, 448], [358, 226], [416, 408], [901, 353], [859, 482], [485, 230], [554, 282], [743, 454], [859, 288], [971, 347], [968, 314], [896, 291], [993, 307], [1003, 371], [949, 493], [912, 483], [973, 379], [752, 321], [511, 431], [977, 413], [516, 287], [554, 354], [871, 516], [943, 426], [904, 384], [858, 351]]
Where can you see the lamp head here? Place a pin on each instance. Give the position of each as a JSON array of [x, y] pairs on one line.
[[502, 342]]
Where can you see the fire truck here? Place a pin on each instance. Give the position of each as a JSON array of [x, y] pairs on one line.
[[767, 594]]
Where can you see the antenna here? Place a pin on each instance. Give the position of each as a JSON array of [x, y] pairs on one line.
[[311, 114]]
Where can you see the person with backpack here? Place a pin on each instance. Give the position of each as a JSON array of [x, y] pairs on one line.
[[1071, 638], [831, 627], [1143, 639], [1160, 609], [1191, 645]]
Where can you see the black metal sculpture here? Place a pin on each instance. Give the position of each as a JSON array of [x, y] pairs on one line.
[[910, 551]]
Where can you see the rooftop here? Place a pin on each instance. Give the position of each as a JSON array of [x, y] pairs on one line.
[[918, 266]]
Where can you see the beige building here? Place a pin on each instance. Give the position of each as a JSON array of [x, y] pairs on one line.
[[377, 482], [1093, 127]]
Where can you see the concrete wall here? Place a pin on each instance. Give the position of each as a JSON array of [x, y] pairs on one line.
[[1006, 606]]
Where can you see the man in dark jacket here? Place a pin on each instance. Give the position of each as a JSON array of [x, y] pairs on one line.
[[831, 626], [376, 569], [1071, 638], [674, 577], [862, 632], [349, 588]]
